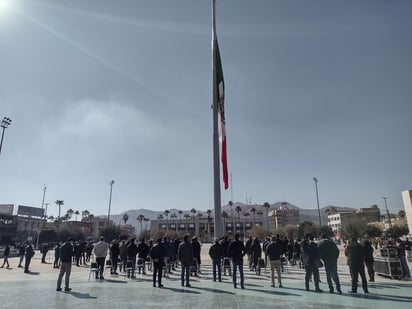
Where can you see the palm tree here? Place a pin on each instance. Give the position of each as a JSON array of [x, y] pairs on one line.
[[259, 213], [267, 206], [59, 203], [209, 213], [186, 216], [140, 218], [225, 216], [125, 218], [174, 216], [85, 214], [193, 211], [238, 209], [231, 212], [180, 212], [253, 211], [166, 213], [69, 213], [402, 214], [76, 213], [146, 220]]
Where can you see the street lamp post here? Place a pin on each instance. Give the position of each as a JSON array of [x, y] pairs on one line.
[[317, 198], [387, 212], [44, 194], [110, 203], [4, 124]]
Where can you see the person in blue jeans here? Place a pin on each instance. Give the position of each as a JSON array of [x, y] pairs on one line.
[[237, 251], [216, 254]]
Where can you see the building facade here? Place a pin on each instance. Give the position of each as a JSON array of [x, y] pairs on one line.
[[407, 205], [282, 217]]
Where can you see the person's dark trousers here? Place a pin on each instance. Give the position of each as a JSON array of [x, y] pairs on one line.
[[238, 264], [309, 271], [133, 259], [157, 271], [27, 264], [184, 275], [100, 266], [371, 270], [331, 269], [115, 261], [355, 272], [56, 263], [43, 257], [217, 265]]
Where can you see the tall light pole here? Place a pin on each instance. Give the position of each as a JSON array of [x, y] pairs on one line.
[[4, 124], [110, 202], [317, 198], [387, 212], [44, 194]]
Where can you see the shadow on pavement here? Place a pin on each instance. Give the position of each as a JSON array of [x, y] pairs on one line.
[[275, 292], [213, 290], [181, 290], [392, 298], [33, 273], [82, 295]]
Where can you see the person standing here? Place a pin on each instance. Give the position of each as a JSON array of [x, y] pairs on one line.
[[406, 273], [132, 251], [28, 254], [356, 257], [369, 260], [185, 254], [114, 256], [66, 254], [56, 256], [22, 252], [6, 256], [273, 253], [216, 254], [157, 255], [44, 250], [408, 249], [256, 254], [329, 253], [237, 251], [100, 252], [248, 245], [196, 251], [309, 256]]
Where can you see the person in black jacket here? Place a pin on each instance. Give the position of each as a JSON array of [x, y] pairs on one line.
[[6, 256], [356, 257], [309, 256], [157, 255], [28, 254], [131, 256], [66, 254], [274, 252], [114, 256], [329, 253], [216, 254], [369, 260], [237, 251]]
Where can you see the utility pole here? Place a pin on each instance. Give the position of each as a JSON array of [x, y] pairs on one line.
[[387, 212], [317, 198], [4, 124], [110, 202]]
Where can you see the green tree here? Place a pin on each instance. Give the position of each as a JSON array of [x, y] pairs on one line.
[[326, 230], [355, 228], [372, 231], [307, 227], [396, 231]]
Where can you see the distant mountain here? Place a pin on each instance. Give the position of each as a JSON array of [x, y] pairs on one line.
[[305, 214]]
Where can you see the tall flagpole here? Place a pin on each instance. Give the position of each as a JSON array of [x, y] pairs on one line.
[[216, 164]]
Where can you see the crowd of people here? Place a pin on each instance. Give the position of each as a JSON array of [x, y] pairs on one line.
[[164, 255]]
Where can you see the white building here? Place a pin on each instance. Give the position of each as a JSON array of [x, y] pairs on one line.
[[407, 205]]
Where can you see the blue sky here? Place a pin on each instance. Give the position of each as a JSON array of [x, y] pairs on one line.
[[102, 90]]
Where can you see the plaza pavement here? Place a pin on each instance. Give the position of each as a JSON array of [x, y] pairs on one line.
[[38, 290]]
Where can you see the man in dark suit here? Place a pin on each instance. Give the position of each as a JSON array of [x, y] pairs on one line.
[[329, 253], [66, 254], [356, 257]]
